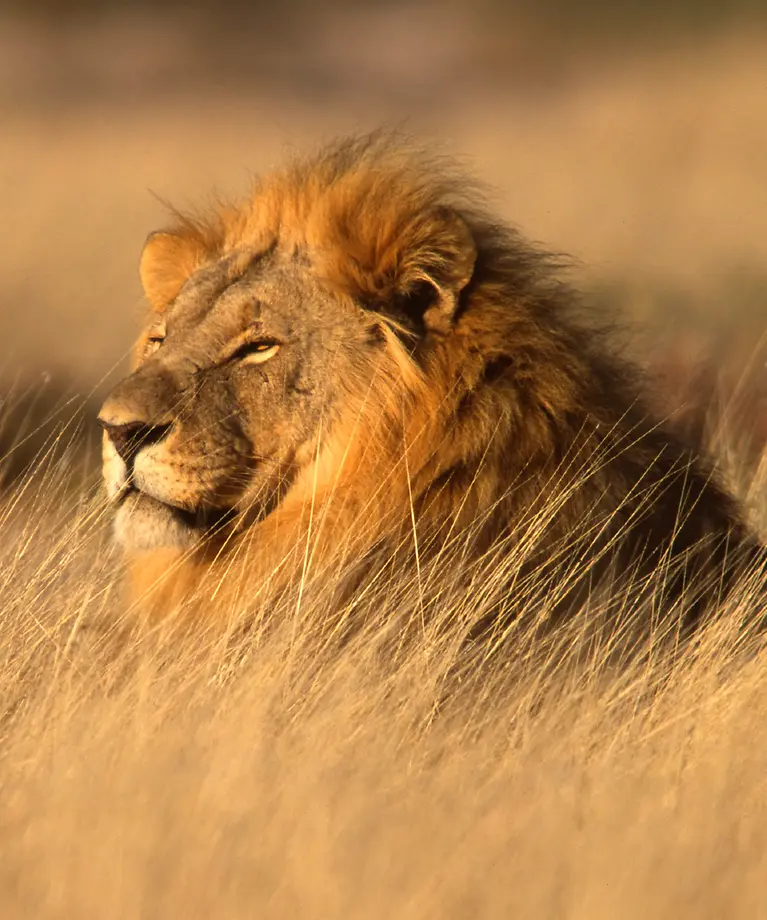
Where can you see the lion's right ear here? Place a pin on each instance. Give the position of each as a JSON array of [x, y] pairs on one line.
[[167, 260]]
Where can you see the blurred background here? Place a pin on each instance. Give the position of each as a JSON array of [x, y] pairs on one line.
[[631, 135]]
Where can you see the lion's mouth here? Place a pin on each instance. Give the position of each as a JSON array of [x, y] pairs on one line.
[[201, 519], [144, 522], [206, 520]]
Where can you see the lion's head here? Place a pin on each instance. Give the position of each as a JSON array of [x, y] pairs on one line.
[[272, 327]]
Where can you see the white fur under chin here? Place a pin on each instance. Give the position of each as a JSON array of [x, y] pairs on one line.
[[143, 524]]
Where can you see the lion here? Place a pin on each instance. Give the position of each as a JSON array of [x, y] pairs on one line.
[[359, 359]]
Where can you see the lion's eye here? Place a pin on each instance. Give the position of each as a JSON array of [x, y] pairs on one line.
[[256, 352], [152, 344]]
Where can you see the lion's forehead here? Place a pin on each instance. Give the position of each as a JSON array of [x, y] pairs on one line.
[[274, 298]]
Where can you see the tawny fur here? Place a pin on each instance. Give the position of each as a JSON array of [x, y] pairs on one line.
[[496, 418]]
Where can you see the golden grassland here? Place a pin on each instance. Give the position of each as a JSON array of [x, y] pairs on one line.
[[299, 768], [280, 772]]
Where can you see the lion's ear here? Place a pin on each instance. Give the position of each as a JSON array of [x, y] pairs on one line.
[[436, 270], [167, 260]]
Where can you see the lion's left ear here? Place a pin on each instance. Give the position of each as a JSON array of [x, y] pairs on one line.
[[434, 270], [168, 259]]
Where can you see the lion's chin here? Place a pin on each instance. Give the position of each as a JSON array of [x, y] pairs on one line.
[[142, 524]]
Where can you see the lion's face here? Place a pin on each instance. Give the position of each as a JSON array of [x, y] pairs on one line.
[[234, 380], [275, 353]]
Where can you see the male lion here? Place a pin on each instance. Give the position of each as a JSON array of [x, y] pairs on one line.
[[358, 359]]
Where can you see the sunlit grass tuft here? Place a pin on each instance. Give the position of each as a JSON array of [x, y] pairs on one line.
[[350, 758]]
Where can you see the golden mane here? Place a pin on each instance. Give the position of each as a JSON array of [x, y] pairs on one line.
[[509, 417], [375, 213]]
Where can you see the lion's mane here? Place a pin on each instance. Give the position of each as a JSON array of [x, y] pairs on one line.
[[510, 425]]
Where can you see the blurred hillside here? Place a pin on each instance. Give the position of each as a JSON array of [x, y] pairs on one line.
[[632, 136], [595, 16]]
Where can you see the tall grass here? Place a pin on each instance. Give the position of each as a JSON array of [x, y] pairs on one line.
[[301, 768]]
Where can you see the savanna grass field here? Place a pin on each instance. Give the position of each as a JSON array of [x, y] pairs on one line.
[[290, 766]]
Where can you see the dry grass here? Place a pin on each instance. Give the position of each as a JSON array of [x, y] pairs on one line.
[[282, 773]]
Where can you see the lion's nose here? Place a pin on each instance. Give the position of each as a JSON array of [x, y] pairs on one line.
[[129, 438]]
